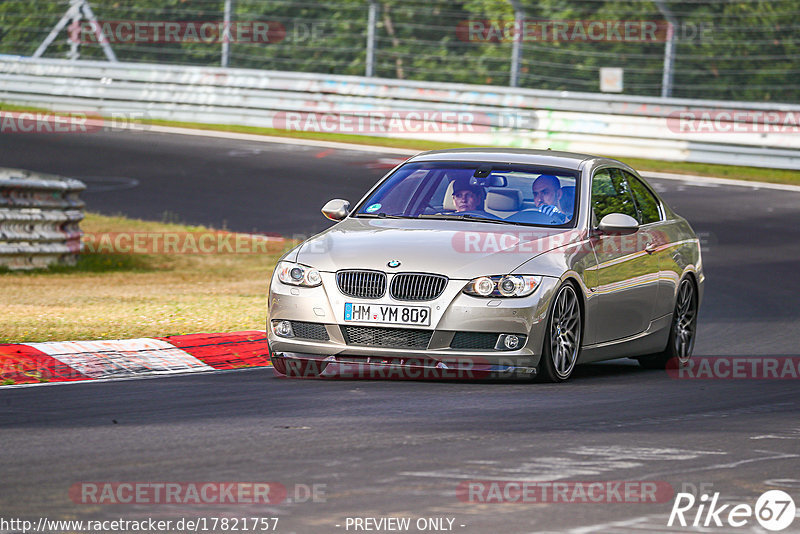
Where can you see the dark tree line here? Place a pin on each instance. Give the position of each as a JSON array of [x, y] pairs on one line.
[[726, 49]]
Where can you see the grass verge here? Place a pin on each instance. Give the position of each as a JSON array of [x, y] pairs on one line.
[[120, 296], [781, 176]]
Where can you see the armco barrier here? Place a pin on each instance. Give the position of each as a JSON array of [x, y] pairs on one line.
[[39, 218], [619, 125]]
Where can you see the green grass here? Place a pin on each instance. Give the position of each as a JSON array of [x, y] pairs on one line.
[[757, 174], [94, 263], [411, 144], [782, 176], [123, 296], [11, 107]]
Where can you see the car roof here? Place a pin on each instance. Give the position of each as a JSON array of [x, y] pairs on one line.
[[554, 158]]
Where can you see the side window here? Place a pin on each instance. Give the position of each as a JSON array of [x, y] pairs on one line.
[[610, 194], [646, 203]]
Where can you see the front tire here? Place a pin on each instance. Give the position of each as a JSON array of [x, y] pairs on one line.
[[562, 344], [681, 333]]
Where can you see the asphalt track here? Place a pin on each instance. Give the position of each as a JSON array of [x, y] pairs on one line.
[[402, 448]]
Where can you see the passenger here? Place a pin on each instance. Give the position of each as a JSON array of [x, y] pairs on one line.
[[547, 195], [467, 196]]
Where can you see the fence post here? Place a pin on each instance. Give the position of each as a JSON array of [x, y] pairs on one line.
[[516, 46], [226, 33], [371, 23], [669, 49]]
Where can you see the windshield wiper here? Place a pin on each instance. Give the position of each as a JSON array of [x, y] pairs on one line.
[[465, 217], [381, 216], [440, 216]]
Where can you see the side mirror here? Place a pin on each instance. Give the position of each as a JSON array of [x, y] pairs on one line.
[[336, 209], [618, 223]]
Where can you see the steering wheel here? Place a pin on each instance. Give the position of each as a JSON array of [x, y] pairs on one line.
[[556, 217], [429, 208], [477, 213]]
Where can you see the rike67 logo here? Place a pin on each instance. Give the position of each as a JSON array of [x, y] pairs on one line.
[[774, 510]]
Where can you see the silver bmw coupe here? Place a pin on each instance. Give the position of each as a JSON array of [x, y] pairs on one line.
[[477, 263]]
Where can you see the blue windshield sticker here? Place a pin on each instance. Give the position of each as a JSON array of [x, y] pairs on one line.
[[373, 208]]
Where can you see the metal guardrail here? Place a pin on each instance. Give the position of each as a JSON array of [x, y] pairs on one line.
[[619, 125], [39, 218]]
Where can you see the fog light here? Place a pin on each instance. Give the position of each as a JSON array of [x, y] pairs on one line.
[[282, 328], [511, 342]]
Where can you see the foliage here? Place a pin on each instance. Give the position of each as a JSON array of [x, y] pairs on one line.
[[731, 50]]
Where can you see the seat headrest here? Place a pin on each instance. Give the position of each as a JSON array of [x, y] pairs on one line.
[[449, 203], [567, 198], [504, 199]]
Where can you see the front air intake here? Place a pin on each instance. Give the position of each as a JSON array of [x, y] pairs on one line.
[[396, 338]]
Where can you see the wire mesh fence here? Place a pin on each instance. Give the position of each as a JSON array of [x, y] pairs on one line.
[[710, 49]]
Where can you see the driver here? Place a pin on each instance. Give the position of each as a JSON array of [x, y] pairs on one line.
[[467, 196], [547, 195]]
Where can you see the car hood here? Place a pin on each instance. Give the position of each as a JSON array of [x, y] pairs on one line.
[[457, 249]]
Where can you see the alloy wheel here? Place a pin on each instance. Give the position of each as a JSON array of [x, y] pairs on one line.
[[565, 332], [685, 322]]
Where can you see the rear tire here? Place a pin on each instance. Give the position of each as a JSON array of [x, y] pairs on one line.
[[681, 333], [562, 344]]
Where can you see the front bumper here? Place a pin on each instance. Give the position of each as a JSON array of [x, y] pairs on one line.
[[451, 313], [294, 365]]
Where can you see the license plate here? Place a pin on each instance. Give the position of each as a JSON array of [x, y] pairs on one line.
[[383, 313]]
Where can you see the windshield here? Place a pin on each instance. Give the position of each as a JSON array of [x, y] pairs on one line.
[[500, 193]]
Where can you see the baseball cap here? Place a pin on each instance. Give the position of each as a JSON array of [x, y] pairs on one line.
[[463, 184]]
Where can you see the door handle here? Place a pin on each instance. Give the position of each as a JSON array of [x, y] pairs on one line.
[[650, 248]]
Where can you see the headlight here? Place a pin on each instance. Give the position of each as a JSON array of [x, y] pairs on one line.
[[512, 285], [295, 274]]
